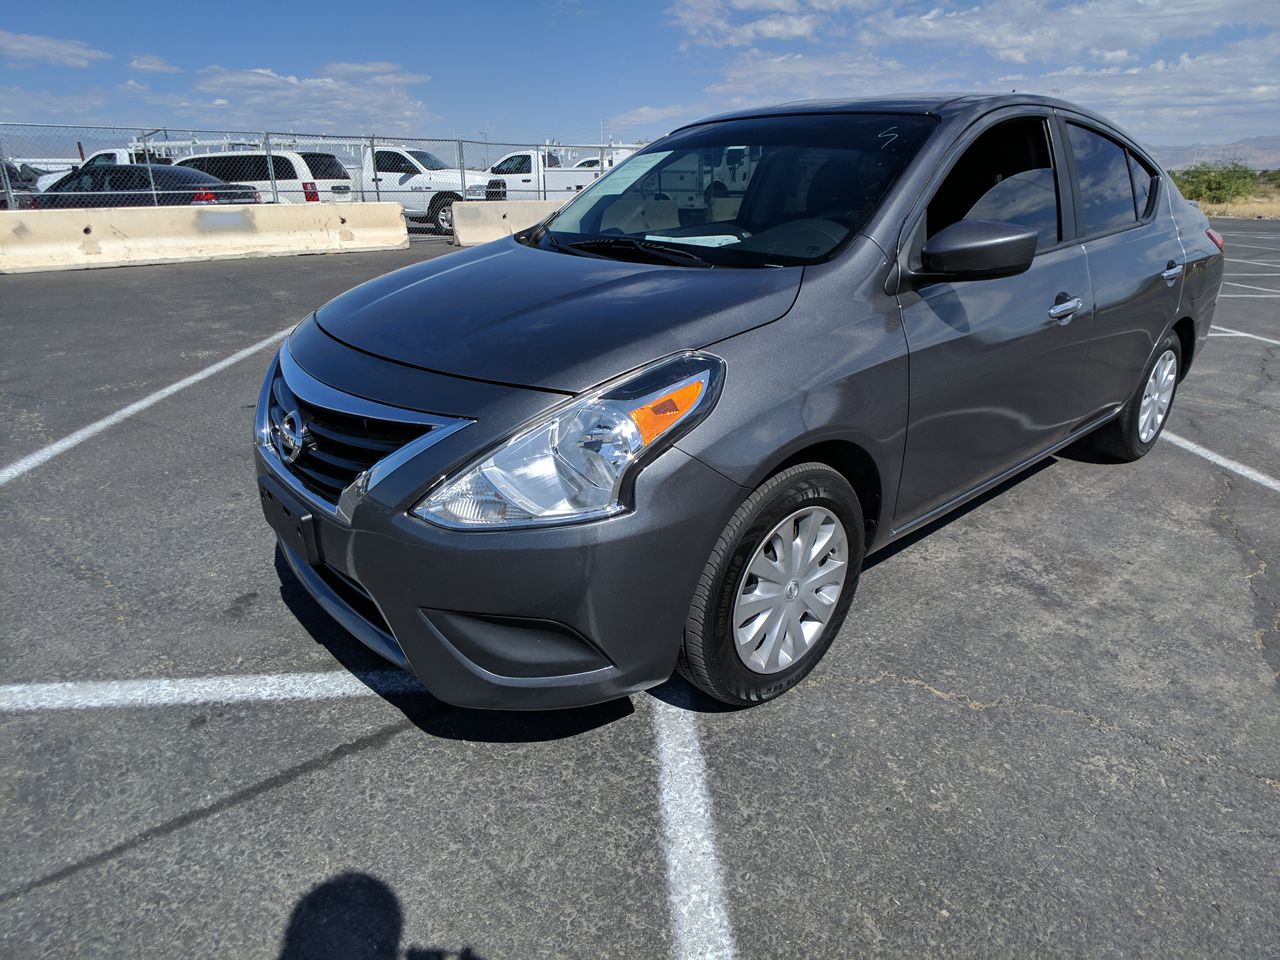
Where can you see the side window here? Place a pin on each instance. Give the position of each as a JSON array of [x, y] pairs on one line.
[[1006, 175], [282, 167], [389, 161], [521, 163], [1106, 192], [1144, 186], [117, 180], [102, 160]]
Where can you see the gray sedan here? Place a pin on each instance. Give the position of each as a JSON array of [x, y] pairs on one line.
[[664, 428]]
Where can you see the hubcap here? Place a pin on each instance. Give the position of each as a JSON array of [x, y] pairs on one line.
[[1157, 396], [444, 219], [790, 589]]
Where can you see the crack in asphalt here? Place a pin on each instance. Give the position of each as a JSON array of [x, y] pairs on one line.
[[1006, 703], [1270, 651], [373, 741]]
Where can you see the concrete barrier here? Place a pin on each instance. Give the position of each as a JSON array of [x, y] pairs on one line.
[[33, 240], [479, 221]]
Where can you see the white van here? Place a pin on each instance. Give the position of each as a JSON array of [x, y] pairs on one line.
[[298, 177]]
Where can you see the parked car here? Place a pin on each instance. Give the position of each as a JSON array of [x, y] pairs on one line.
[[281, 176], [537, 174], [425, 185], [640, 436], [131, 185], [105, 158]]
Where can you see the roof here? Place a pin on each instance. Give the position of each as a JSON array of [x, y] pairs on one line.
[[937, 104]]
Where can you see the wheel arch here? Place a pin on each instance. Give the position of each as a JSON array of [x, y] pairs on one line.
[[854, 463], [1186, 331]]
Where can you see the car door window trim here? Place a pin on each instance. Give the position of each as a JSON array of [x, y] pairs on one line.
[[1157, 185]]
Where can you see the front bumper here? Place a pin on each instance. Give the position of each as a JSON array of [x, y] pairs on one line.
[[519, 619]]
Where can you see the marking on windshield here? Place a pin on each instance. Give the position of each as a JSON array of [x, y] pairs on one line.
[[891, 133]]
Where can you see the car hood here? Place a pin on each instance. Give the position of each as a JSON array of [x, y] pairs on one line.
[[508, 313]]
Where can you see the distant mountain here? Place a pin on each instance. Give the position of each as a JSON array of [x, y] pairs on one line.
[[1261, 153]]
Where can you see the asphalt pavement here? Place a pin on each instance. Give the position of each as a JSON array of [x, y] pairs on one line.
[[1049, 726]]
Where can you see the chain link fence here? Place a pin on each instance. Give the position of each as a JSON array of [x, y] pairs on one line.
[[48, 166]]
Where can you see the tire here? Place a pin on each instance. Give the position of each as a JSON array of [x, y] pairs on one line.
[[1121, 439], [440, 215], [710, 657]]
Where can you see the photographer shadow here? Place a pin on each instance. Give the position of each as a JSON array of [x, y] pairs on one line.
[[354, 916]]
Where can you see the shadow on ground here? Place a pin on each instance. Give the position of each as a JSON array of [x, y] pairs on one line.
[[354, 916]]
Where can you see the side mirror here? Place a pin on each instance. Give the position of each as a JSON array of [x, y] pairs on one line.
[[976, 250]]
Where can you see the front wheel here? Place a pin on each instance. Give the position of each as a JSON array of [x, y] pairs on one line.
[[440, 217], [1134, 432], [776, 588]]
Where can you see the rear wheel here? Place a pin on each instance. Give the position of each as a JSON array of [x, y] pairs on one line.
[[1142, 418], [776, 588]]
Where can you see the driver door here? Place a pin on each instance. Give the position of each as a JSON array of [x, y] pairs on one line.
[[995, 365]]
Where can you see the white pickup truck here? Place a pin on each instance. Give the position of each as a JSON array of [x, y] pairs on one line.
[[105, 158], [425, 184], [534, 174]]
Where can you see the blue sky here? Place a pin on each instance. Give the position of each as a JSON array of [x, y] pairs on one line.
[[1172, 72]]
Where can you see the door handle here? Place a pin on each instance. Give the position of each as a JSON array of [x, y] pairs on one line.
[[1173, 272], [1063, 312]]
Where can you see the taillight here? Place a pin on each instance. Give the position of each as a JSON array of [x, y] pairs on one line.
[[204, 196], [310, 193], [35, 203], [1216, 237]]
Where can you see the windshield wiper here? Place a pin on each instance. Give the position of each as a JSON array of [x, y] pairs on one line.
[[657, 251]]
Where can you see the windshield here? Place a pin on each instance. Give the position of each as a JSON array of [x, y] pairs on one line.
[[766, 191], [429, 161]]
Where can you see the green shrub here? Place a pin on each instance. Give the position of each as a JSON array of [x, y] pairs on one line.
[[1216, 182]]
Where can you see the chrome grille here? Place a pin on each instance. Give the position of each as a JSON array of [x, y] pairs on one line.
[[336, 447]]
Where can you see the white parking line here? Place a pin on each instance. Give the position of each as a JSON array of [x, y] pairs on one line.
[[45, 454], [239, 688], [1248, 296], [695, 879], [1228, 332], [1226, 463], [1247, 286], [694, 875], [1253, 263], [1254, 246]]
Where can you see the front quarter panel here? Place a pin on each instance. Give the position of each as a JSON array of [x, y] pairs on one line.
[[833, 369]]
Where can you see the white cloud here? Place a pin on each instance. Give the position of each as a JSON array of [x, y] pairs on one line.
[[647, 122], [150, 63], [21, 104], [27, 48], [1026, 31], [358, 69], [1224, 94], [353, 98], [713, 23]]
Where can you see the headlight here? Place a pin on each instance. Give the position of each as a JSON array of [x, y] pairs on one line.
[[575, 463], [476, 191]]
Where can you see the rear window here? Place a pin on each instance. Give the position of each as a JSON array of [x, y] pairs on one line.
[[325, 166], [1106, 191], [179, 176]]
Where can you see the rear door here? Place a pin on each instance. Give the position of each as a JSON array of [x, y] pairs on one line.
[[1135, 257], [331, 178], [994, 377]]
